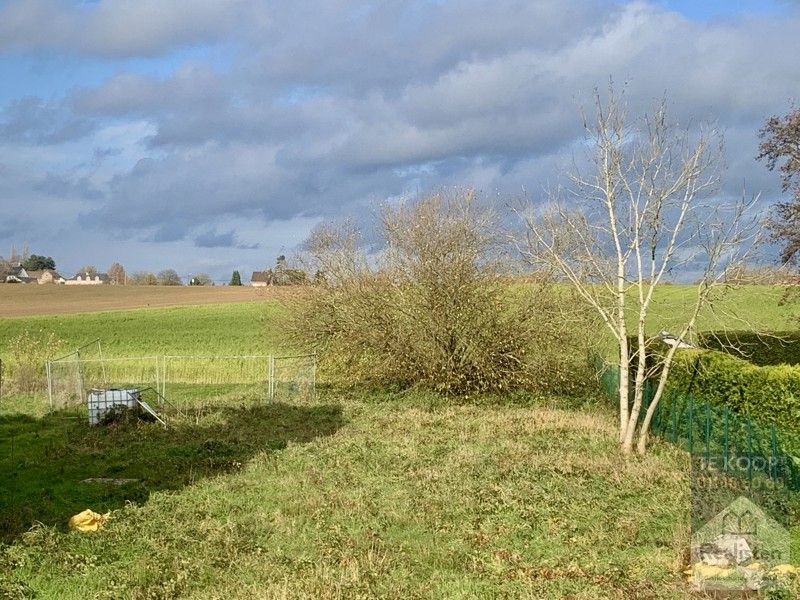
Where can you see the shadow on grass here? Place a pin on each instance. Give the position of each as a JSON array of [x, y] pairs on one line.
[[44, 462]]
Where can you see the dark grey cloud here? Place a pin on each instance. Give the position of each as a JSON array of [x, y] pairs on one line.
[[227, 239], [329, 107], [59, 185], [169, 231]]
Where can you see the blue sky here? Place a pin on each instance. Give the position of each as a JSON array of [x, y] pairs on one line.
[[214, 137], [715, 9], [711, 9]]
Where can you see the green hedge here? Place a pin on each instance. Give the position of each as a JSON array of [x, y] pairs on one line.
[[770, 394], [772, 348]]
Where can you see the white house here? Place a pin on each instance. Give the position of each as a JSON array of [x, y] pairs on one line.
[[88, 279]]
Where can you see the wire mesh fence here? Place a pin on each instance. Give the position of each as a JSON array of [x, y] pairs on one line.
[[184, 378], [70, 378], [730, 442], [64, 383], [293, 378], [241, 378]]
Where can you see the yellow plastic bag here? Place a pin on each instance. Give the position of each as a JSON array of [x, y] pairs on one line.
[[783, 570], [88, 520]]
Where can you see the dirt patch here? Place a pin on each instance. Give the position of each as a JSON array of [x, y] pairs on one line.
[[28, 300]]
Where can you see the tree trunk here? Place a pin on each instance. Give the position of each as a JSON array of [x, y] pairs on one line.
[[638, 389], [641, 446], [624, 374]]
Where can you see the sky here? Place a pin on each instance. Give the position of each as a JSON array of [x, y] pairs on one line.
[[212, 135]]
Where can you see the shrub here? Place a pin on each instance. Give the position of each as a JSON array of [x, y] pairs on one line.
[[771, 348], [767, 393], [29, 353], [434, 309]]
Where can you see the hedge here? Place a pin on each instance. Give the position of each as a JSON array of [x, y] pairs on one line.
[[770, 394], [771, 348]]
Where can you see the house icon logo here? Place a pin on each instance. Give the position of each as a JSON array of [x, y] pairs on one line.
[[743, 523], [740, 533]]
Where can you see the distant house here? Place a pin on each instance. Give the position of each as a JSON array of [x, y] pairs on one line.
[[46, 276], [262, 278], [16, 273], [89, 279]]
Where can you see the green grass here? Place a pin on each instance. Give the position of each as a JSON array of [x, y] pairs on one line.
[[255, 327], [756, 306], [245, 328], [45, 461], [368, 498], [350, 496]]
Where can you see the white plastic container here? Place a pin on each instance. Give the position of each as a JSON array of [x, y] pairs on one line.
[[102, 401]]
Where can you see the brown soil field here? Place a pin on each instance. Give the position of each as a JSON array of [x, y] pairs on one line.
[[27, 300]]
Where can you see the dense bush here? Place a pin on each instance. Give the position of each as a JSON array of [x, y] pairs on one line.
[[771, 348], [767, 393], [435, 308]]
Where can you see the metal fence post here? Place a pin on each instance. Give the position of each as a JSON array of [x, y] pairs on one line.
[[674, 421], [159, 374], [314, 377], [708, 432], [656, 425], [80, 371], [750, 449], [49, 369], [773, 463], [102, 363], [690, 441], [164, 375], [271, 378], [726, 435]]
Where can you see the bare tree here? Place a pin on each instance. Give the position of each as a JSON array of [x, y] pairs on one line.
[[647, 209], [116, 272], [780, 144], [169, 277], [143, 278], [5, 268]]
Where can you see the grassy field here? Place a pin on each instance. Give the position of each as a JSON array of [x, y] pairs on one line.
[[349, 496], [746, 307], [253, 327], [239, 328]]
